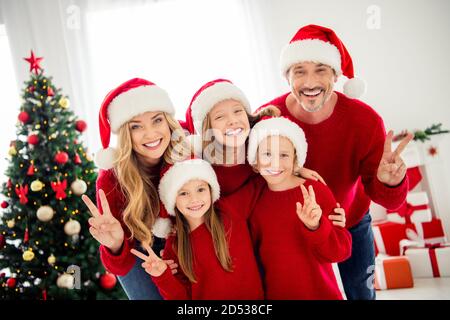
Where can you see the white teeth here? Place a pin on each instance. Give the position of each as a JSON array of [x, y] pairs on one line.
[[273, 172], [312, 93], [195, 208], [233, 132], [153, 144]]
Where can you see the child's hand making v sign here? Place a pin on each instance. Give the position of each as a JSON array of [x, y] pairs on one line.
[[310, 212], [153, 264]]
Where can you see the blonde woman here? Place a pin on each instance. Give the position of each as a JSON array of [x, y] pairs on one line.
[[129, 211]]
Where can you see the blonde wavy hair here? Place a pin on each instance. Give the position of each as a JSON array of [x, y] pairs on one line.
[[142, 207]]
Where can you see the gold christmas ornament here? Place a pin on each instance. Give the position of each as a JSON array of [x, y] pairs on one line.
[[36, 186], [45, 213], [72, 227], [12, 151], [78, 187], [65, 281], [11, 223], [64, 103], [28, 255], [51, 259]]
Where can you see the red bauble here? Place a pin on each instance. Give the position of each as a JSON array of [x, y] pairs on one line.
[[9, 183], [81, 125], [108, 281], [24, 117], [5, 204], [61, 157], [77, 159], [50, 92], [2, 242], [30, 171], [33, 139], [11, 282]]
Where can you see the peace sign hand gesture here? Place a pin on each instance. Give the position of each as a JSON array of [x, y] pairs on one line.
[[153, 264], [392, 169], [310, 212], [104, 227]]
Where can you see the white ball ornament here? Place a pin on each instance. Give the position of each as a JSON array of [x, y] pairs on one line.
[[78, 187], [72, 227], [45, 213], [65, 281]]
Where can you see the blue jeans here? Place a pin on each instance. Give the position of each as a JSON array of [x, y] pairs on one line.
[[357, 272], [138, 284]]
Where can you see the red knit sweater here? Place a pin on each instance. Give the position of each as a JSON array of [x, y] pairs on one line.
[[231, 178], [345, 150], [297, 261], [213, 282], [122, 262]]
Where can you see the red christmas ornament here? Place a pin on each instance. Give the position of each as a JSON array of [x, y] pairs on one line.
[[9, 184], [2, 242], [80, 125], [33, 139], [26, 236], [77, 159], [50, 92], [11, 283], [31, 89], [44, 294], [34, 62], [30, 171], [2, 275], [24, 117], [5, 204], [59, 188], [108, 281], [61, 157], [22, 194]]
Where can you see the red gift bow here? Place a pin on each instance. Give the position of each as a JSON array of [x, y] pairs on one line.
[[407, 209], [59, 188], [22, 194]]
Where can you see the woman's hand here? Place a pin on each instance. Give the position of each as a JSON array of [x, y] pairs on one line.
[[153, 264], [338, 219], [310, 174], [310, 212], [104, 227]]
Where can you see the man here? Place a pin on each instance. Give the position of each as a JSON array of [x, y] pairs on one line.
[[347, 143]]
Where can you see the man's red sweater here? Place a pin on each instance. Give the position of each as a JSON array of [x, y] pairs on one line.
[[212, 280], [345, 150], [297, 261]]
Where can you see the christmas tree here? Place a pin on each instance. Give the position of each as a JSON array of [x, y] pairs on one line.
[[45, 245]]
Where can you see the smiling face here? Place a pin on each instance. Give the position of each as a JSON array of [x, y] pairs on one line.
[[150, 135], [311, 84], [276, 160], [229, 122], [194, 200]]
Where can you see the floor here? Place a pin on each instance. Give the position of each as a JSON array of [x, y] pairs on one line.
[[424, 289]]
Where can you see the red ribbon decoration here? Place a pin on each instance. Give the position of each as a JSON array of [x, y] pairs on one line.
[[59, 188], [22, 194], [433, 259], [407, 209]]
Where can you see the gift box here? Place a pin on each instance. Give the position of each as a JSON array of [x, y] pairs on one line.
[[427, 232], [392, 272], [387, 236], [427, 260], [414, 210]]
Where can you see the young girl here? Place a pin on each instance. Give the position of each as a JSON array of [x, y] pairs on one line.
[[219, 118], [141, 114], [212, 243], [291, 233]]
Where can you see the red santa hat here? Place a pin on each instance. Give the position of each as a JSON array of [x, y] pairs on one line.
[[280, 126], [320, 44], [131, 98], [207, 97], [175, 176]]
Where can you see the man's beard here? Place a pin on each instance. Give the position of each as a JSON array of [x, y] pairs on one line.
[[310, 107]]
